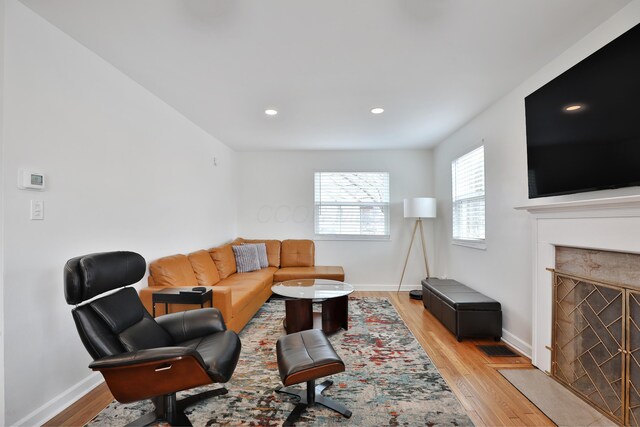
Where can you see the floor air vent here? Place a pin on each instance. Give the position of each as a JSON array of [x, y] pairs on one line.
[[497, 351]]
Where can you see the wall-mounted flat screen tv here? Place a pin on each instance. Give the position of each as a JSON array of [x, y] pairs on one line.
[[583, 127]]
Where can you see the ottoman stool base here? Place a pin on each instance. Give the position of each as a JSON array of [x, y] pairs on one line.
[[309, 397]]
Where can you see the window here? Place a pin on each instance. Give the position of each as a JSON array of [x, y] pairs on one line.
[[467, 174], [352, 204]]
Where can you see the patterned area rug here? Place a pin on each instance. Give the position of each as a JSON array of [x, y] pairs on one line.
[[389, 378]]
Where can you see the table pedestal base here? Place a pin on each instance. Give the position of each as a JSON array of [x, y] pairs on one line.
[[300, 315]]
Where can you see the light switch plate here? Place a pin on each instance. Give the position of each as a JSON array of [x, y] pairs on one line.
[[37, 209]]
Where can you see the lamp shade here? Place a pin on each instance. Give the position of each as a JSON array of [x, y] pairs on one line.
[[420, 207]]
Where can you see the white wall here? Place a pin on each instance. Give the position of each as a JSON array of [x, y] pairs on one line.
[[504, 270], [125, 172], [2, 26], [275, 200]]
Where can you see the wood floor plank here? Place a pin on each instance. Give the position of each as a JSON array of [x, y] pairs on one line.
[[83, 411], [488, 398]]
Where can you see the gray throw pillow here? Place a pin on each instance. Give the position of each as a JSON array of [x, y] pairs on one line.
[[246, 258], [262, 253]]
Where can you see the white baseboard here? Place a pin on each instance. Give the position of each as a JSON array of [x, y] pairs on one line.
[[517, 343], [386, 287], [61, 401]]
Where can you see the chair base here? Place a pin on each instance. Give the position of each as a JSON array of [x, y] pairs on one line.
[[170, 410], [309, 397]]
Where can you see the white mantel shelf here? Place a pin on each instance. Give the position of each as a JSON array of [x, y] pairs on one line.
[[620, 202]]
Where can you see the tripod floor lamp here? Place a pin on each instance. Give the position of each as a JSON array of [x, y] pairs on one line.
[[418, 208]]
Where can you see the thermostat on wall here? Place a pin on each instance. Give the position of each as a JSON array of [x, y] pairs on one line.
[[29, 179]]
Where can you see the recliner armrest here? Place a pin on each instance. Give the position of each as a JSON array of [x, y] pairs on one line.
[[146, 356], [191, 324]]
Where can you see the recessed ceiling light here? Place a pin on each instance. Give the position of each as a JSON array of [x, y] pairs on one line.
[[573, 107], [270, 112], [377, 110]]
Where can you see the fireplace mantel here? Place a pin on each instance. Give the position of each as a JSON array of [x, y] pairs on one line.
[[606, 203]]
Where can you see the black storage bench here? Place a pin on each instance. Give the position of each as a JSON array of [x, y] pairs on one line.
[[465, 312]]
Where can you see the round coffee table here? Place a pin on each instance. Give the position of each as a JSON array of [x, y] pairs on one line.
[[302, 293]]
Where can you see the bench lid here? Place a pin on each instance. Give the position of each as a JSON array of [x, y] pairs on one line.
[[459, 296]]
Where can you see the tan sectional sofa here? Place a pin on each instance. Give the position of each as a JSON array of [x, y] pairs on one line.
[[238, 296]]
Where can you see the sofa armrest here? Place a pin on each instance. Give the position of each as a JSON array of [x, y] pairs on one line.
[[187, 325], [144, 374], [222, 301], [159, 354]]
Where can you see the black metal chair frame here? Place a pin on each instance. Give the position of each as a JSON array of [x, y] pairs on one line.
[[309, 397]]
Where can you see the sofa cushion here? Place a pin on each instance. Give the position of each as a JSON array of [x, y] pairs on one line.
[[273, 250], [262, 253], [246, 258], [297, 253], [317, 272], [243, 290], [204, 268], [264, 276], [224, 259], [174, 270], [242, 297]]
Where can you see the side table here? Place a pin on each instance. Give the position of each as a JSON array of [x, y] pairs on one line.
[[173, 296]]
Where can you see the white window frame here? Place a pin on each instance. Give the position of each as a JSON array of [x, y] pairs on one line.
[[384, 205], [476, 243]]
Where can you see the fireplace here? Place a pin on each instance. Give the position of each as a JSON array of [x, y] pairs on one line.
[[603, 227], [595, 341]]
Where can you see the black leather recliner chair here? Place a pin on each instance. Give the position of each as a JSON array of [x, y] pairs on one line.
[[141, 357]]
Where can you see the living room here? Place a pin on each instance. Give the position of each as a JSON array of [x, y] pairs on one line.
[[147, 120]]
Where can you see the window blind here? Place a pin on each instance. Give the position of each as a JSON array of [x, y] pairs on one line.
[[468, 196], [352, 204]]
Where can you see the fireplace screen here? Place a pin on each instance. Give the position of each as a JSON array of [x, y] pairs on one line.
[[589, 344], [633, 354]]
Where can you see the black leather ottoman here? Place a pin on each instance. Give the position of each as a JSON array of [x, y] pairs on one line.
[[304, 357], [465, 312]]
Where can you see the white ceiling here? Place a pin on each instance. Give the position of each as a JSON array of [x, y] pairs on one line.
[[323, 64]]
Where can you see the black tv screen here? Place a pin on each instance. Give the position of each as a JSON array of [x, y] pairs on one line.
[[583, 127]]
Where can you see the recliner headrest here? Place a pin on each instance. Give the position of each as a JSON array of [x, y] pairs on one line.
[[90, 275]]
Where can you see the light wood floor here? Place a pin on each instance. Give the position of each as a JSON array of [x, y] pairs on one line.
[[488, 398]]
